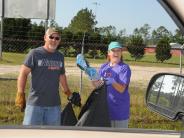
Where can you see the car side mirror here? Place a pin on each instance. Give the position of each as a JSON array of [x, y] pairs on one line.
[[165, 95]]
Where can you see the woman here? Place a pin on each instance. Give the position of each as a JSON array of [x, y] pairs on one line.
[[116, 75]]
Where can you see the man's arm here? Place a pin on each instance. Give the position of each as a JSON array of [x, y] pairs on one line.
[[74, 97], [22, 78], [64, 84], [20, 100]]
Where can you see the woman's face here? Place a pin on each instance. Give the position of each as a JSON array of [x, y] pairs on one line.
[[115, 55]]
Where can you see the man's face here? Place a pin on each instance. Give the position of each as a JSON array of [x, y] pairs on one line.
[[52, 41]]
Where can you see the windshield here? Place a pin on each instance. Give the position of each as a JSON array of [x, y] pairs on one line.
[[132, 23]]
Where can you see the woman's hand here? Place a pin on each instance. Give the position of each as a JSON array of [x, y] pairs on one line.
[[97, 83]]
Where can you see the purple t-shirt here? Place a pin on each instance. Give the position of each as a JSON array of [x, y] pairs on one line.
[[118, 103]]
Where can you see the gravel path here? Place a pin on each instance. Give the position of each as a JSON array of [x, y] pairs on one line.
[[4, 69], [139, 73]]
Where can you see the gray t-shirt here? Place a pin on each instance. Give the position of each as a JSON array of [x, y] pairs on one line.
[[45, 71]]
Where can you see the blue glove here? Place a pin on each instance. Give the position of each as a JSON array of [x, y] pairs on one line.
[[92, 73], [81, 62], [109, 81], [84, 65]]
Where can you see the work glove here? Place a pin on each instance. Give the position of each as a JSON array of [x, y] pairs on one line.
[[109, 81], [75, 98], [92, 74], [81, 62], [20, 101]]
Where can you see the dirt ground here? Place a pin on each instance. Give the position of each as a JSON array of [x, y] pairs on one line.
[[139, 73]]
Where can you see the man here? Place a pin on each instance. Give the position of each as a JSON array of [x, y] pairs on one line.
[[47, 69]]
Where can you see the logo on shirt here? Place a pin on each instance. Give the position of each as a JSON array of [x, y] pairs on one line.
[[51, 64], [107, 74]]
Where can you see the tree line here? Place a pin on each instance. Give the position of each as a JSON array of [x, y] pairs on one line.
[[20, 35]]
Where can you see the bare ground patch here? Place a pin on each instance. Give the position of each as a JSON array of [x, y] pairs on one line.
[[140, 74]]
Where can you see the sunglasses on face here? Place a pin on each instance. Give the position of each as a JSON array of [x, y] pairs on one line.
[[52, 37]]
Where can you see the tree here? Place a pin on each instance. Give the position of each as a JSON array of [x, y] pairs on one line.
[[84, 21], [160, 33], [143, 32], [178, 37], [37, 32], [122, 33], [108, 33], [66, 35], [163, 50], [53, 23], [122, 37], [135, 47], [16, 30]]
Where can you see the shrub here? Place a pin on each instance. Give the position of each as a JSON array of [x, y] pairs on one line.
[[163, 50], [136, 47]]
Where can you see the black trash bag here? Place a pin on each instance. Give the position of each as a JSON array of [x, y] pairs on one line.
[[68, 117], [95, 111]]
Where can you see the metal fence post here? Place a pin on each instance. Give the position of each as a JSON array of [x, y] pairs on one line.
[[1, 32], [82, 52], [1, 39]]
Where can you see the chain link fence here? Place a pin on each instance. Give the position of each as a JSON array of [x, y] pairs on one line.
[[22, 39], [68, 48]]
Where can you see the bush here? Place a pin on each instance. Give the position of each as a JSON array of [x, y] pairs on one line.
[[135, 47], [163, 50]]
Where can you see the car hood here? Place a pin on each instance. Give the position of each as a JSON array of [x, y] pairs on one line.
[[83, 132]]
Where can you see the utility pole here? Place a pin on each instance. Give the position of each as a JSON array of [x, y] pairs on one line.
[[96, 5]]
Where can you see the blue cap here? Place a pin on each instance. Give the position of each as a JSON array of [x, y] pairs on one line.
[[113, 45]]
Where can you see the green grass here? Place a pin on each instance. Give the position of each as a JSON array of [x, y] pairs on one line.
[[9, 114], [12, 58], [150, 60], [141, 116], [147, 60]]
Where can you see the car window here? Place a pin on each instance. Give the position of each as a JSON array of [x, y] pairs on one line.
[[125, 19]]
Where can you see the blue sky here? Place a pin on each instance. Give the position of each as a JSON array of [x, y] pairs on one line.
[[127, 14]]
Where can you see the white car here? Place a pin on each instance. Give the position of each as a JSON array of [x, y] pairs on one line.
[[165, 95]]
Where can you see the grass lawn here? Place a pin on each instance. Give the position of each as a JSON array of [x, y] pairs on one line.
[[147, 60], [141, 116]]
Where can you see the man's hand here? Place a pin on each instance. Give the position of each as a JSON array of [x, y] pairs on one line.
[[75, 98], [20, 101], [109, 81]]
